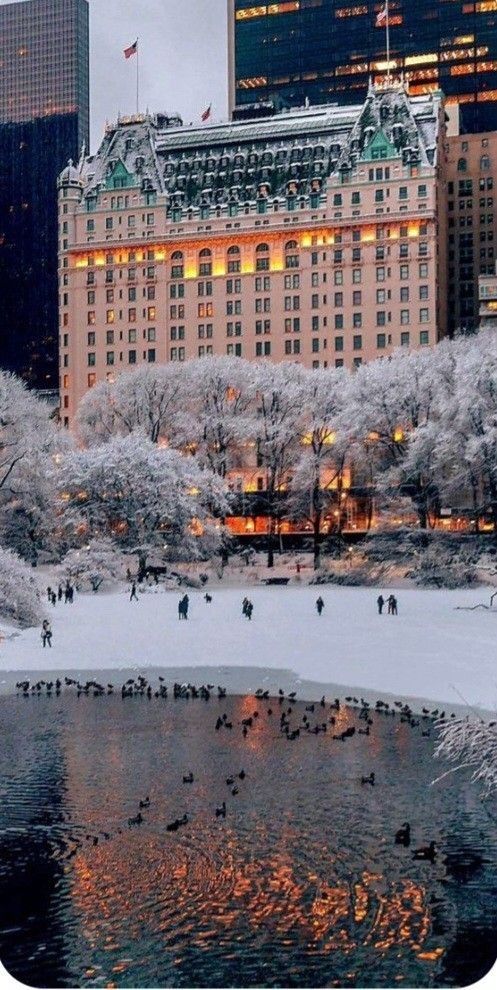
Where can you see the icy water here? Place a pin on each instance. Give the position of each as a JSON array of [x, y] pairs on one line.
[[300, 885]]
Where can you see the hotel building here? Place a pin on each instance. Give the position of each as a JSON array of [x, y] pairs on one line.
[[328, 50], [316, 235]]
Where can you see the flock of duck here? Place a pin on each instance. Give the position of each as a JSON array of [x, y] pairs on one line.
[[318, 717]]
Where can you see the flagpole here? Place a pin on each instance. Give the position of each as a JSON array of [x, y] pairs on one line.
[[138, 76], [388, 44]]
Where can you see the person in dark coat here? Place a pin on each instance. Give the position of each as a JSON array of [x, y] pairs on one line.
[[244, 606], [46, 634], [59, 593], [133, 596], [394, 605], [49, 593], [186, 605], [249, 609], [390, 602], [319, 605], [54, 598], [380, 601]]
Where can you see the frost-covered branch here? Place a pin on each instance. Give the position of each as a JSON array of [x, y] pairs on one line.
[[467, 743]]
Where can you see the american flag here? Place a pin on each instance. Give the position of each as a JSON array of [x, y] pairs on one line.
[[132, 50], [206, 114], [381, 17]]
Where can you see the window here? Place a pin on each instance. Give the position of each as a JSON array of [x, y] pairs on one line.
[[292, 346], [132, 315], [423, 270], [404, 272], [132, 336], [422, 191], [380, 295], [404, 316], [423, 292], [380, 274], [357, 342], [151, 313], [356, 276], [315, 345], [131, 357], [91, 298], [339, 321], [357, 298], [424, 316], [91, 339], [484, 163], [263, 348], [338, 362], [151, 354], [424, 337], [404, 293], [381, 341], [91, 318], [110, 316], [151, 334], [357, 319], [109, 337], [403, 192], [338, 277], [405, 338], [462, 165], [91, 380], [110, 357], [91, 359], [339, 343]]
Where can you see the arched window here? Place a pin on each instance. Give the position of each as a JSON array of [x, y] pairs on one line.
[[291, 258], [484, 163], [205, 262], [462, 165], [262, 262], [177, 256], [262, 248], [177, 270], [234, 263]]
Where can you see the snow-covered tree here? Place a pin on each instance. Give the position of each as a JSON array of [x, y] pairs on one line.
[[94, 564], [392, 403], [30, 444], [471, 745], [467, 448], [217, 414], [281, 394], [19, 596], [143, 496], [146, 400], [317, 483]]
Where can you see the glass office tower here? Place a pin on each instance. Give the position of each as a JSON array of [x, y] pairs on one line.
[[44, 121], [327, 50]]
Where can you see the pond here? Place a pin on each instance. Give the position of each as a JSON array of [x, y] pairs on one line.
[[300, 885]]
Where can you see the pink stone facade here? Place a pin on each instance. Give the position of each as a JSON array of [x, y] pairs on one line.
[[337, 261]]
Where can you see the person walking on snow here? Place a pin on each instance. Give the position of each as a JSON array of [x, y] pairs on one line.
[[249, 609], [133, 595], [46, 634], [394, 605], [380, 601], [319, 605], [244, 606]]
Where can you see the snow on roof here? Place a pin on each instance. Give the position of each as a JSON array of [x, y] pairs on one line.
[[159, 152]]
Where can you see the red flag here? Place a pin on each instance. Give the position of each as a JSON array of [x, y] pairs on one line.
[[381, 17], [132, 50], [206, 114]]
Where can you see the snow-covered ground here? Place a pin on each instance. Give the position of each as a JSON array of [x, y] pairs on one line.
[[431, 650]]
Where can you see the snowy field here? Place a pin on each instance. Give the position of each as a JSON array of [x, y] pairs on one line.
[[429, 651]]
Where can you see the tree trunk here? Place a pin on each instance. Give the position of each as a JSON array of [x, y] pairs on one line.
[[316, 527], [142, 565]]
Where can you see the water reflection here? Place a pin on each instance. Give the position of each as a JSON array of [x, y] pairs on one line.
[[300, 885]]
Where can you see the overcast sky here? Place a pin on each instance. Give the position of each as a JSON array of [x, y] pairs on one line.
[[183, 58]]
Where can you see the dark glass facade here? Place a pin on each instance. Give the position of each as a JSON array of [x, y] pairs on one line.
[[327, 50], [44, 121]]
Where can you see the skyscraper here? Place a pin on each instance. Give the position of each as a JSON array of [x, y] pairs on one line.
[[44, 121], [327, 50]]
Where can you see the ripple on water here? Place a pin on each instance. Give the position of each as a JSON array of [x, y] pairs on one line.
[[300, 885]]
